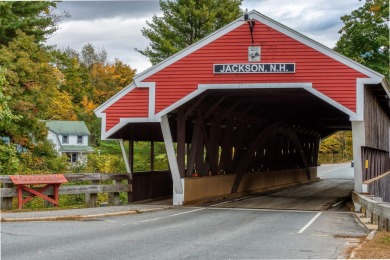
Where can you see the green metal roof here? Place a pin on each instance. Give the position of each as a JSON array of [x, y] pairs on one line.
[[76, 148], [68, 127]]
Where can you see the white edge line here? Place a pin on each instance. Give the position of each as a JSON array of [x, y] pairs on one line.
[[309, 223], [220, 203], [174, 215], [262, 209], [334, 205]]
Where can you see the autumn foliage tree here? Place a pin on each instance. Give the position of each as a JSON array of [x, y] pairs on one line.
[[336, 148]]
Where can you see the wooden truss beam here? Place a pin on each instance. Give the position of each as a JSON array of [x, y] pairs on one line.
[[245, 160]]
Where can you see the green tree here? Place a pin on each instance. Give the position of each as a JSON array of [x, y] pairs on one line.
[[32, 84], [6, 115], [75, 79], [32, 17], [365, 35], [185, 22], [9, 161]]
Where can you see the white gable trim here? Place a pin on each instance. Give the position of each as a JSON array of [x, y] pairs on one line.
[[123, 122], [313, 44], [305, 85], [332, 102], [98, 111], [152, 95], [203, 87], [360, 95], [271, 23], [255, 85], [185, 52], [180, 102]]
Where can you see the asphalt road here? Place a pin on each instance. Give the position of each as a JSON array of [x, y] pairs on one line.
[[185, 233], [335, 171], [332, 191], [192, 233]]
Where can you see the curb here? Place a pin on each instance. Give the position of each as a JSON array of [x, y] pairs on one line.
[[84, 217], [368, 238]]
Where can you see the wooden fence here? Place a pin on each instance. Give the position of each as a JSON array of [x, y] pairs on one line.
[[92, 184]]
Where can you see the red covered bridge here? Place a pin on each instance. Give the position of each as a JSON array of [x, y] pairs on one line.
[[250, 115]]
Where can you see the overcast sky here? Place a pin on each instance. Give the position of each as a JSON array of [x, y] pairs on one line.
[[116, 25]]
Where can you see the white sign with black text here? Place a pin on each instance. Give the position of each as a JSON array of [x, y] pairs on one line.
[[254, 68]]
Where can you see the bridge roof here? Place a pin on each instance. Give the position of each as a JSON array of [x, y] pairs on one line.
[[305, 72]]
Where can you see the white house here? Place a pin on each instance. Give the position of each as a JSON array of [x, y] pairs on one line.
[[70, 138]]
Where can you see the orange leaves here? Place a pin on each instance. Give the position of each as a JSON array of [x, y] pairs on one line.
[[61, 107], [88, 105], [108, 79]]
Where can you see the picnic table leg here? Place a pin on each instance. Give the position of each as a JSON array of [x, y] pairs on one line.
[[56, 197], [20, 197]]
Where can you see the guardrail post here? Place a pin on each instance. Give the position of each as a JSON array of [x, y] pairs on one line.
[[91, 198], [384, 217], [6, 203]]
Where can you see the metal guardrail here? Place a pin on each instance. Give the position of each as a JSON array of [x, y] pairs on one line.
[[91, 188], [374, 209]]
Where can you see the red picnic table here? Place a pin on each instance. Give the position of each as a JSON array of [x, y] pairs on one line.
[[49, 180]]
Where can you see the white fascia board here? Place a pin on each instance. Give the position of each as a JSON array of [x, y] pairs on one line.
[[313, 44], [386, 86], [98, 111], [102, 126], [152, 95], [175, 105], [124, 121], [304, 85], [360, 95], [255, 85], [332, 102], [190, 49], [271, 23]]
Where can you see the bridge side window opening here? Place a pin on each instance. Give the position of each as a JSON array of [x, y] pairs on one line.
[[79, 139], [65, 139]]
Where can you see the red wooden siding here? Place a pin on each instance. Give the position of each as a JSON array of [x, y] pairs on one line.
[[133, 104], [328, 76]]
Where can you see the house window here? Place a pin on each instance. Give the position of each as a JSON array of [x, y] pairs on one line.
[[79, 139], [72, 157], [65, 139]]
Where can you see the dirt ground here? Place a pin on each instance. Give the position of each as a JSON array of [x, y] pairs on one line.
[[377, 248]]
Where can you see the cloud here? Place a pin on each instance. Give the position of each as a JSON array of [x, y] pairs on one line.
[[317, 19], [112, 25], [92, 10]]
